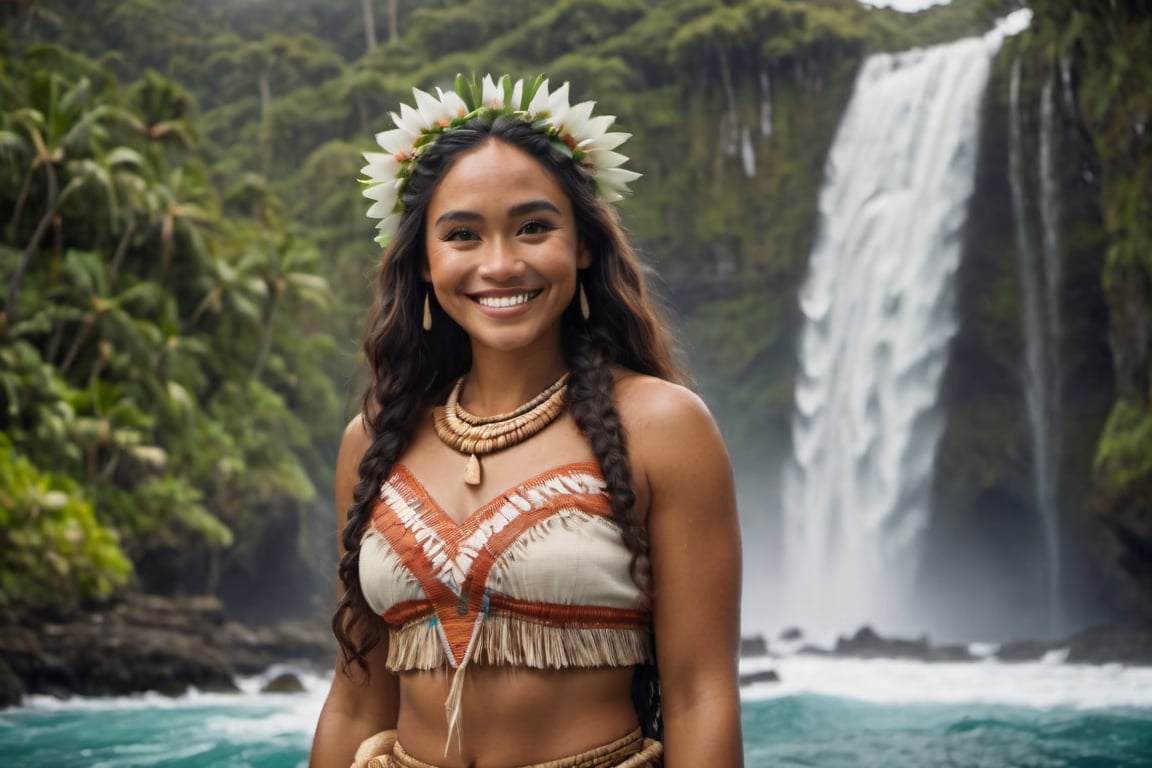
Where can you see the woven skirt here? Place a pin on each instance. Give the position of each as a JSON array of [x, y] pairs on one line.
[[631, 751]]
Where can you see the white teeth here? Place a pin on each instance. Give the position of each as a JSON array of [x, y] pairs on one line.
[[499, 302]]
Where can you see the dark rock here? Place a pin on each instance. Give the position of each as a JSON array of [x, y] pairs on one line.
[[753, 646], [285, 682], [200, 616], [763, 676], [1108, 645], [11, 690], [867, 644], [252, 650], [792, 634], [116, 660], [1022, 650], [146, 643], [814, 650], [19, 648]]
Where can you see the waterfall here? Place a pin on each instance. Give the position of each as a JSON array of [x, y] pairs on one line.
[[878, 308], [1040, 274], [747, 153]]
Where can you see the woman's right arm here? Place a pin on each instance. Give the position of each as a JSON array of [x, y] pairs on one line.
[[360, 706]]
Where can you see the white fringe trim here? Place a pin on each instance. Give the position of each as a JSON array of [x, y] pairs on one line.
[[499, 641]]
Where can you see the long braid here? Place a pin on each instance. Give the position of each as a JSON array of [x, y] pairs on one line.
[[591, 387]]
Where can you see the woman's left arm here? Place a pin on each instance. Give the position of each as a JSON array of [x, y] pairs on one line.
[[694, 533]]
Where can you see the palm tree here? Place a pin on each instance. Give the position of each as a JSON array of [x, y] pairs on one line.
[[166, 111], [180, 206], [58, 133], [287, 272]]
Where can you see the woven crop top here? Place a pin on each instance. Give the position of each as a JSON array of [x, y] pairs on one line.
[[538, 577]]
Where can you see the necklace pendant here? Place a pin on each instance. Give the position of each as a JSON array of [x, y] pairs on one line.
[[472, 471]]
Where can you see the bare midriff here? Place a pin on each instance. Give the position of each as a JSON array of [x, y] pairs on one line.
[[514, 715]]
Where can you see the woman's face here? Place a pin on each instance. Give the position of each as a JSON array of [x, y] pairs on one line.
[[503, 249]]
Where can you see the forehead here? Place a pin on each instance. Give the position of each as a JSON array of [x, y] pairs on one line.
[[495, 175]]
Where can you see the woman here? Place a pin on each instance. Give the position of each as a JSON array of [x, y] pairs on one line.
[[536, 510]]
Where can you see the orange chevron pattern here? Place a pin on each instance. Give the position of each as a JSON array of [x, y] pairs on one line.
[[452, 562]]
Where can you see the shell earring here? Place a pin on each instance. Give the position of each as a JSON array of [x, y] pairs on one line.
[[584, 311], [427, 323]]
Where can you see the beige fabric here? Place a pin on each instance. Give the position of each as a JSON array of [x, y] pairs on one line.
[[631, 751]]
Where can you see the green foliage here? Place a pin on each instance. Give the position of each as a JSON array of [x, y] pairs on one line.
[[732, 334], [184, 248], [53, 549], [1124, 455]]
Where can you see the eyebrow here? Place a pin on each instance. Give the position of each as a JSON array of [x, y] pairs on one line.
[[520, 209]]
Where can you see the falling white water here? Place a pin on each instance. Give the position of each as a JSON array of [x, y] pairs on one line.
[[878, 308], [1039, 271], [747, 153]]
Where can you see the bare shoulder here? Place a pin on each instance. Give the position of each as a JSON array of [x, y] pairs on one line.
[[357, 437], [648, 404], [672, 435]]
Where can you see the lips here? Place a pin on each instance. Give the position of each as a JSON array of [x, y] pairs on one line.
[[506, 300]]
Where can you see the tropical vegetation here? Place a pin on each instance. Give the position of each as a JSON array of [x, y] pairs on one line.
[[185, 258]]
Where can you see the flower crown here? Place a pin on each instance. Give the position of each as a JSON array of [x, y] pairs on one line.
[[572, 130]]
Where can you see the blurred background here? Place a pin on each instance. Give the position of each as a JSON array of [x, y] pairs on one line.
[[908, 257]]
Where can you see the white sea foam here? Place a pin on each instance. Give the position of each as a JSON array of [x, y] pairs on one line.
[[1041, 684]]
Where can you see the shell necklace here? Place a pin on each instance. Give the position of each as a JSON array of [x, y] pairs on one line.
[[480, 435]]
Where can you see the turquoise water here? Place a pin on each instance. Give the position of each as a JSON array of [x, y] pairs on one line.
[[879, 714], [812, 730]]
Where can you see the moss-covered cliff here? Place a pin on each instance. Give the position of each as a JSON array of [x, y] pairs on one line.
[[1095, 63], [989, 537], [1107, 46]]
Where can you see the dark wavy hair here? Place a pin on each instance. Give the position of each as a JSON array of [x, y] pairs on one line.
[[411, 369]]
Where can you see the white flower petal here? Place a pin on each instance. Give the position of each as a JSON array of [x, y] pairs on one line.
[[380, 191], [616, 177], [576, 121], [596, 127], [387, 227], [382, 209], [606, 158], [490, 95], [378, 162], [408, 120], [428, 106], [558, 101], [611, 140], [398, 140], [453, 105], [539, 102], [517, 94]]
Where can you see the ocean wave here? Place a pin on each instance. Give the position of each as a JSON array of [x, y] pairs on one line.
[[1041, 684]]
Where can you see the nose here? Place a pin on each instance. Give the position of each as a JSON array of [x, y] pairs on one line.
[[501, 261]]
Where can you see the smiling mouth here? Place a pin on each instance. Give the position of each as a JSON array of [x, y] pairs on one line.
[[502, 302]]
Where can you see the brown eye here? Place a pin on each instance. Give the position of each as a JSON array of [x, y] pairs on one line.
[[459, 234], [535, 228]]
